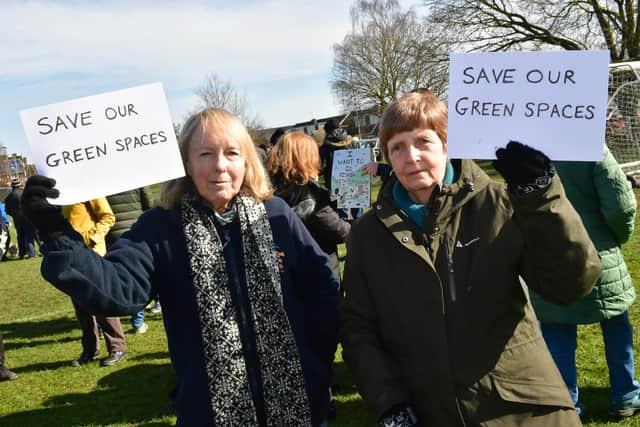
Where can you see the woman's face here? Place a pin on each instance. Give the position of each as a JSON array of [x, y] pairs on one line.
[[216, 165], [419, 158]]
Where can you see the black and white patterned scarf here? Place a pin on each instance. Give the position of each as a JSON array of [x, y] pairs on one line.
[[285, 397]]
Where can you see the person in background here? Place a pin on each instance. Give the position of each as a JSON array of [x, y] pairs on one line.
[[245, 289], [606, 203], [5, 237], [294, 167], [156, 307], [24, 230], [5, 373], [264, 150], [275, 136], [336, 138], [92, 220], [127, 206], [436, 325]]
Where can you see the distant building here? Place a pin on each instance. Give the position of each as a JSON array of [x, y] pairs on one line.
[[5, 171], [13, 166], [363, 124]]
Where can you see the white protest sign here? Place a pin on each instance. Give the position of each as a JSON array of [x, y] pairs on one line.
[[554, 101], [104, 144], [348, 185]]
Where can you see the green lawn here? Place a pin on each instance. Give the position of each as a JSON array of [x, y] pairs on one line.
[[41, 338]]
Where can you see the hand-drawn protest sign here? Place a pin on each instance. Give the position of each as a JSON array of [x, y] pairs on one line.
[[348, 185], [554, 101], [104, 144]]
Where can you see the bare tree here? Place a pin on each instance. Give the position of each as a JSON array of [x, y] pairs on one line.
[[177, 128], [496, 25], [218, 93], [388, 52]]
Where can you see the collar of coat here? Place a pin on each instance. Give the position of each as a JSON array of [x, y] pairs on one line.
[[445, 200]]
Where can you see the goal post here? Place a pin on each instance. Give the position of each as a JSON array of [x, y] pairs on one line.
[[622, 133]]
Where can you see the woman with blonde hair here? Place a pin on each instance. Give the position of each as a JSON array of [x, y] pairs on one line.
[[294, 166], [250, 303]]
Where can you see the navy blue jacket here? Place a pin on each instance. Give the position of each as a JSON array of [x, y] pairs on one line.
[[152, 258]]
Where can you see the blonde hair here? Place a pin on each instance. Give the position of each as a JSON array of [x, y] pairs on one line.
[[296, 156], [420, 109], [255, 183]]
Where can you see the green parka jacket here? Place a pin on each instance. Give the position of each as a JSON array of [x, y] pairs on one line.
[[604, 199], [127, 206], [440, 320]]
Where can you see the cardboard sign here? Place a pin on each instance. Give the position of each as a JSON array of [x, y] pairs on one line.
[[104, 144], [553, 101], [348, 185]]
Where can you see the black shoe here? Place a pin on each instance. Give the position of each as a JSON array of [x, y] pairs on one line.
[[83, 359], [331, 411], [114, 357], [7, 375]]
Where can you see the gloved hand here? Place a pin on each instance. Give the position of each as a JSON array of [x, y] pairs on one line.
[[525, 169], [47, 218], [399, 416]]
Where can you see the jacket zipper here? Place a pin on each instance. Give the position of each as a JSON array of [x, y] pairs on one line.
[[426, 243], [452, 295], [450, 270]]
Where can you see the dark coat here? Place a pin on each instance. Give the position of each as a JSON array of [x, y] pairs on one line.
[[311, 203], [14, 208], [441, 321], [152, 258]]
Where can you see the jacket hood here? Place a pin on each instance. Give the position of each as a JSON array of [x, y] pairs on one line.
[[303, 199]]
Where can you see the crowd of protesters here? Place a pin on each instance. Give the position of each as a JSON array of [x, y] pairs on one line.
[[436, 309]]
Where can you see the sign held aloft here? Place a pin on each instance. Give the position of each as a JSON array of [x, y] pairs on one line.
[[104, 144], [553, 101], [349, 186]]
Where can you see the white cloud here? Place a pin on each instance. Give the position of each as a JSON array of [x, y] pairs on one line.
[[53, 51], [277, 38]]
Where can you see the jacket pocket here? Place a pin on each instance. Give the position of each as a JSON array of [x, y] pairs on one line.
[[531, 392]]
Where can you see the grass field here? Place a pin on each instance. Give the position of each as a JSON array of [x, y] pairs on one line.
[[42, 337]]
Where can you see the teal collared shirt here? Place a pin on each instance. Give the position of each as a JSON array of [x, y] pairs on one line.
[[417, 211]]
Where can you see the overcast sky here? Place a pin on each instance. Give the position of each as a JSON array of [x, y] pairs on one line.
[[278, 51]]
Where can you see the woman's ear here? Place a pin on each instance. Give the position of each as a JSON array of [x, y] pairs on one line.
[[187, 167]]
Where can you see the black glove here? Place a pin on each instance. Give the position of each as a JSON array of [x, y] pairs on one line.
[[524, 168], [399, 416], [47, 218]]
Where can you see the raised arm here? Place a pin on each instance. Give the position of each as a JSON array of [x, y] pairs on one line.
[[119, 283], [560, 262]]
